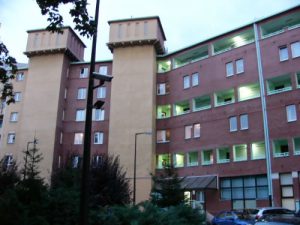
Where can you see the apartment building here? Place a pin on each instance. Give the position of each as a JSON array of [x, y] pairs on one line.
[[224, 112]]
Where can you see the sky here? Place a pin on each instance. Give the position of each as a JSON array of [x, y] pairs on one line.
[[184, 22]]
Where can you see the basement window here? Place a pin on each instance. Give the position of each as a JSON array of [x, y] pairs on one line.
[[223, 155], [278, 26], [224, 97], [234, 41], [249, 91], [281, 148], [181, 108], [163, 66], [279, 84], [201, 103], [190, 56], [163, 111]]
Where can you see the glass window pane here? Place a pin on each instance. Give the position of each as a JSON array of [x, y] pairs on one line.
[[244, 121], [295, 49], [225, 194], [249, 182], [233, 123], [286, 179], [250, 192], [195, 79], [239, 66], [291, 113], [237, 182], [283, 54], [262, 192], [237, 193], [229, 69], [192, 159], [287, 191], [196, 130], [186, 82], [178, 160], [258, 150]]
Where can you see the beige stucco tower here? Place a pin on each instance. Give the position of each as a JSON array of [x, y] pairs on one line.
[[40, 107], [135, 44]]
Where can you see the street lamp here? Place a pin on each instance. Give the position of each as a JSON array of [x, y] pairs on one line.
[[134, 165], [26, 154]]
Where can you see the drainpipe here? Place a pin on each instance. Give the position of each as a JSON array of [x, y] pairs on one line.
[[264, 113]]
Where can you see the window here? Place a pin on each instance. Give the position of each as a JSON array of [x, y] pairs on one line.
[[229, 69], [80, 115], [61, 137], [296, 141], [279, 84], [14, 117], [280, 148], [249, 91], [65, 93], [233, 124], [98, 138], [244, 122], [201, 103], [83, 73], [224, 97], [76, 161], [181, 108], [81, 94], [192, 159], [11, 137], [8, 161], [186, 82], [97, 161], [190, 56], [101, 92], [298, 79], [162, 160], [78, 138], [178, 160], [207, 157], [223, 155], [192, 131], [18, 96], [291, 113], [244, 189], [98, 114], [188, 131], [195, 79], [295, 49], [163, 66], [162, 136], [20, 76], [283, 53], [103, 70], [239, 64], [162, 88], [239, 152], [258, 150], [287, 191], [163, 111]]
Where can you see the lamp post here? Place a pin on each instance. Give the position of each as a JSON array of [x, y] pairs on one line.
[[134, 163], [26, 155]]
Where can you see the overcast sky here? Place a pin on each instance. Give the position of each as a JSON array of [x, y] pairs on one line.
[[184, 22]]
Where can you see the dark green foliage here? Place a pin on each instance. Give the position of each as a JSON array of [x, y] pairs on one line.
[[166, 190], [8, 69], [146, 213], [83, 22], [108, 184], [31, 166], [9, 177]]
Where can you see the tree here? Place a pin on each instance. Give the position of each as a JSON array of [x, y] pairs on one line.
[[166, 190], [83, 22], [8, 68]]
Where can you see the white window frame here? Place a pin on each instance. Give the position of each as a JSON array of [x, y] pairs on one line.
[[98, 138], [283, 53], [81, 93], [186, 82], [161, 89], [83, 72], [11, 138], [103, 70], [239, 65], [229, 69], [14, 116], [18, 96], [78, 138], [163, 134], [188, 131], [197, 130], [80, 115], [98, 114], [291, 113], [20, 76], [295, 47], [233, 126], [101, 92], [244, 122], [195, 79]]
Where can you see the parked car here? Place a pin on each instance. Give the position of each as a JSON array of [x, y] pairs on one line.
[[232, 218], [276, 216]]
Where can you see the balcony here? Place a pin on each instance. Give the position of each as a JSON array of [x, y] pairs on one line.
[[164, 66], [163, 111], [181, 108], [201, 103], [279, 84], [248, 92], [280, 148], [224, 97]]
